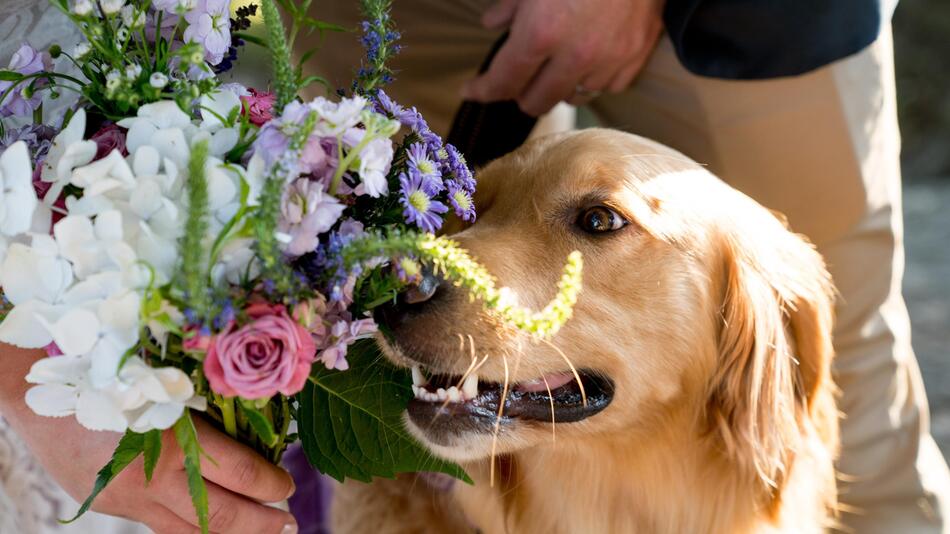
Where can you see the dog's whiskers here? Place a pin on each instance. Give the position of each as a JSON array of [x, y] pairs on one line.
[[501, 409], [577, 376]]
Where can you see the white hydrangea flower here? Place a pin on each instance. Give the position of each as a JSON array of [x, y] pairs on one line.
[[67, 151], [139, 397], [17, 196]]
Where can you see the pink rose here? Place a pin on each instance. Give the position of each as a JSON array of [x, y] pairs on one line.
[[259, 106], [273, 353]]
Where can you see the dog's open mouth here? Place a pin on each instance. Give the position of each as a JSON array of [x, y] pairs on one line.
[[474, 404]]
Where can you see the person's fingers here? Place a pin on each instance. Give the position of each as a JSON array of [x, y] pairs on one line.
[[516, 63], [229, 513], [163, 521], [240, 469], [558, 80], [624, 77], [499, 14]]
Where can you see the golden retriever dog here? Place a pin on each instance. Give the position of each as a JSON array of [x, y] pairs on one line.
[[703, 401]]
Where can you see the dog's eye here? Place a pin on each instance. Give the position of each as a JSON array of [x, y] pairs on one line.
[[600, 219]]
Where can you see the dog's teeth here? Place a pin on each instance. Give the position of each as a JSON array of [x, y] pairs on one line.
[[453, 394], [431, 397], [442, 395], [418, 378], [416, 390], [470, 387]]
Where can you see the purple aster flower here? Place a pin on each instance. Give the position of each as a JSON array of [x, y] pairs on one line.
[[420, 208], [455, 165], [461, 201], [209, 24], [26, 60], [425, 166]]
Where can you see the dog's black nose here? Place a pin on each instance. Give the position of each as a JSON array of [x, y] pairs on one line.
[[411, 301], [423, 290]]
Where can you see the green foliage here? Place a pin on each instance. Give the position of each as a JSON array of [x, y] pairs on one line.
[[128, 449], [151, 449], [188, 441], [285, 83], [351, 422], [260, 423], [193, 265]]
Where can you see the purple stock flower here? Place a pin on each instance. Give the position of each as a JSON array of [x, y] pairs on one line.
[[425, 166], [420, 208], [306, 212], [341, 335], [461, 201], [26, 60], [38, 138], [209, 24]]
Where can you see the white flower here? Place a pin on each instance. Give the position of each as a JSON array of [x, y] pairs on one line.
[[374, 161], [17, 196], [236, 262], [163, 126], [132, 72], [132, 17], [158, 80], [336, 118], [67, 151], [38, 271], [89, 245], [81, 50], [111, 7], [82, 7], [138, 396], [217, 106]]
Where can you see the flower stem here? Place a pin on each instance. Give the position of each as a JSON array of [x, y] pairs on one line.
[[227, 414]]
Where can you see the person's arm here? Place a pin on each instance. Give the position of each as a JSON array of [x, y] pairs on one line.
[[238, 480], [756, 39]]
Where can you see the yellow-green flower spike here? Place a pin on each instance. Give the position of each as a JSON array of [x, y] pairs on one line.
[[453, 263]]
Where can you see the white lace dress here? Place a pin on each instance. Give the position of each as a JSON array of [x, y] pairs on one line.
[[31, 501]]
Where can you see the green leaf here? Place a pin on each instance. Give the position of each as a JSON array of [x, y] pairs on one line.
[[9, 76], [152, 449], [261, 424], [351, 422], [251, 39], [128, 449], [188, 440]]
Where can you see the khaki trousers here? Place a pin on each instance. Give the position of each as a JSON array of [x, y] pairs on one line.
[[823, 149]]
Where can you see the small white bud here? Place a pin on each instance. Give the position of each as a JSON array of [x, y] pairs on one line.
[[158, 80], [81, 50], [111, 7], [121, 35], [82, 7], [132, 17], [132, 71]]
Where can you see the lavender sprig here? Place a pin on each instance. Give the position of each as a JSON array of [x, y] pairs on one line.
[[285, 82], [379, 40]]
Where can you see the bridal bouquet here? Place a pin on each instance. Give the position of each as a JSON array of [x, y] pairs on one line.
[[179, 246]]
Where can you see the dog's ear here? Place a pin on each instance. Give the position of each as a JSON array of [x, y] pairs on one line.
[[772, 382]]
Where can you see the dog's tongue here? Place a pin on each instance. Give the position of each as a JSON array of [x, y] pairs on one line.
[[554, 381]]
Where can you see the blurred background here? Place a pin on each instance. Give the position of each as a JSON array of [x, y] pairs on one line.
[[922, 45]]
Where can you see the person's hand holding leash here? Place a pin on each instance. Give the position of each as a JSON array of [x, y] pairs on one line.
[[566, 50]]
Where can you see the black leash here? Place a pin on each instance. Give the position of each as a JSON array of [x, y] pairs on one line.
[[483, 132]]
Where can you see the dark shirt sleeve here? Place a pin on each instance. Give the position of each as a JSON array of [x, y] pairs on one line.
[[755, 39]]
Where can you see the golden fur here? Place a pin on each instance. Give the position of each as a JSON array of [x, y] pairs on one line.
[[712, 318]]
